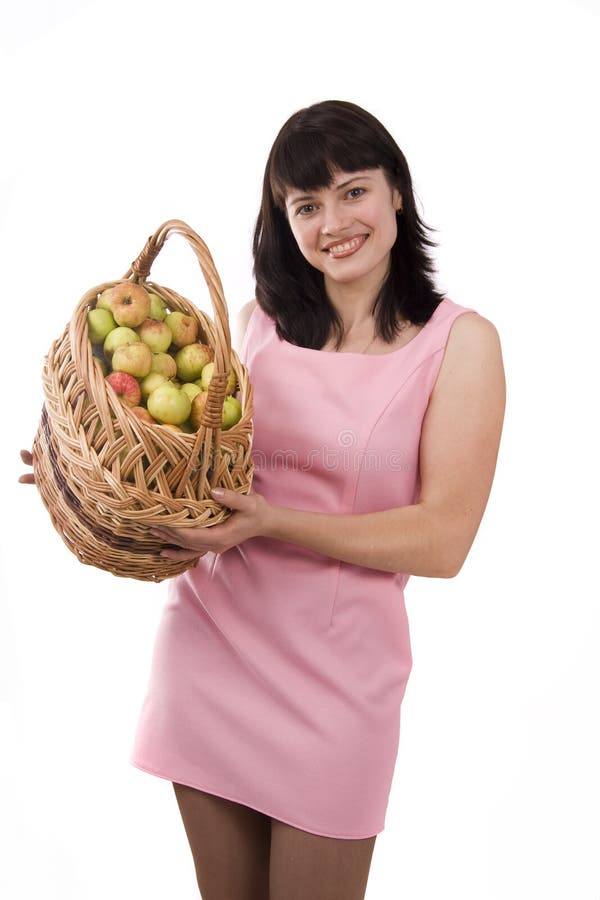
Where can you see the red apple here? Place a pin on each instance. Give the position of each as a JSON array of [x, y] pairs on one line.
[[183, 328], [134, 358], [130, 304], [142, 413], [125, 387], [157, 335]]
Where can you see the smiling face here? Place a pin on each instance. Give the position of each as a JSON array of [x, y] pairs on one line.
[[346, 230]]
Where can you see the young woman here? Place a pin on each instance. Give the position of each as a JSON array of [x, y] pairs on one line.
[[282, 657]]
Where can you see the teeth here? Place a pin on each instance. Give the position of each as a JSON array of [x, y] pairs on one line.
[[342, 248]]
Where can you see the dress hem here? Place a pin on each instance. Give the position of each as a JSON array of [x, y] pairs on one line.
[[219, 793]]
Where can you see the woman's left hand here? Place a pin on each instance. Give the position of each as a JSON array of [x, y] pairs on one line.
[[248, 520]]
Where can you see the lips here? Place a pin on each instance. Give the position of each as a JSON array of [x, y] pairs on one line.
[[339, 249]]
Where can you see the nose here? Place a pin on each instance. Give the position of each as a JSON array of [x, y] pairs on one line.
[[334, 222]]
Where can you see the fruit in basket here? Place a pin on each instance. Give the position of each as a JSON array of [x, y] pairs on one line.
[[129, 304], [104, 300], [191, 359], [151, 382], [232, 412], [169, 405], [142, 413], [184, 329], [157, 335], [198, 404], [134, 358], [207, 374], [116, 337], [125, 387], [191, 389], [165, 364], [158, 307], [100, 322]]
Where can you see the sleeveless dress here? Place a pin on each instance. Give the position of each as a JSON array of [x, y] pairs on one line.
[[278, 673]]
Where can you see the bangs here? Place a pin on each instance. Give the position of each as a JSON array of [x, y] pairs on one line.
[[307, 160]]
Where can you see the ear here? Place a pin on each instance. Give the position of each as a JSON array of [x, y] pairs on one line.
[[397, 199]]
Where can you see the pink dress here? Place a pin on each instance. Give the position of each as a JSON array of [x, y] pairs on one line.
[[278, 673]]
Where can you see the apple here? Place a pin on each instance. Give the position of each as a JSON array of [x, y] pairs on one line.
[[191, 389], [116, 338], [183, 328], [171, 427], [168, 405], [232, 412], [125, 387], [198, 404], [156, 334], [151, 382], [191, 360], [158, 307], [207, 374], [165, 364], [104, 300], [130, 304], [100, 322], [142, 413], [134, 358]]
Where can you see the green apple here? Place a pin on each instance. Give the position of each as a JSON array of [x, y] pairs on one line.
[[151, 382], [232, 412], [100, 322], [134, 358], [207, 374], [156, 334], [158, 307], [169, 405], [191, 389], [104, 300], [165, 364], [116, 337], [183, 328], [191, 360]]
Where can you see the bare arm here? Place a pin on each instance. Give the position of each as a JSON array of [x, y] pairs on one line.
[[458, 453]]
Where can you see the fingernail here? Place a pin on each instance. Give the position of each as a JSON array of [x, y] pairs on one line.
[[217, 492]]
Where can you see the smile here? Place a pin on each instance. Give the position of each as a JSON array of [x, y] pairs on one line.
[[337, 251]]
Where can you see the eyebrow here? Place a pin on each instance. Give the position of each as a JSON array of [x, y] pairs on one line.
[[338, 187]]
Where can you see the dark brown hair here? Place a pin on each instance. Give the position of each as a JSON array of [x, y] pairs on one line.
[[311, 146]]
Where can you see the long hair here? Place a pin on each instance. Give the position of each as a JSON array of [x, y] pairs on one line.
[[312, 145]]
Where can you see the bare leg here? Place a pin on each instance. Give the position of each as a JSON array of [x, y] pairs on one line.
[[230, 844], [306, 865]]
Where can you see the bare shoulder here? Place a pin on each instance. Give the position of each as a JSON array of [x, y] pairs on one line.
[[473, 348], [241, 323]]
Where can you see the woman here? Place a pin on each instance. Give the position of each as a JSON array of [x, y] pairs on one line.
[[283, 656]]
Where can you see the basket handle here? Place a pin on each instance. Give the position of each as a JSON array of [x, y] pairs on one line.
[[140, 269]]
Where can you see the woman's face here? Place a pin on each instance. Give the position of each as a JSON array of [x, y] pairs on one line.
[[347, 230]]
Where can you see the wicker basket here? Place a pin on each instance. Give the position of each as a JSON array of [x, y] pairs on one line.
[[104, 475]]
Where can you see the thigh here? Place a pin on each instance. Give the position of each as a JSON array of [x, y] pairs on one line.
[[307, 865], [230, 844]]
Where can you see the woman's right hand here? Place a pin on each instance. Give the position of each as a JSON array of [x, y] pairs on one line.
[[28, 477]]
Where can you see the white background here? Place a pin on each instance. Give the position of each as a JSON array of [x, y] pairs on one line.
[[119, 115]]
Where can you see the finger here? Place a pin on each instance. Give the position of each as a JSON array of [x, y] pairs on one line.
[[27, 479], [27, 457], [180, 554]]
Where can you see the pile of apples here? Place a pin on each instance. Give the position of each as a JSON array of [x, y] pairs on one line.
[[152, 359]]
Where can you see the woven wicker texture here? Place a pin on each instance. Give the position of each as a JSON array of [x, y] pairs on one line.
[[104, 475]]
